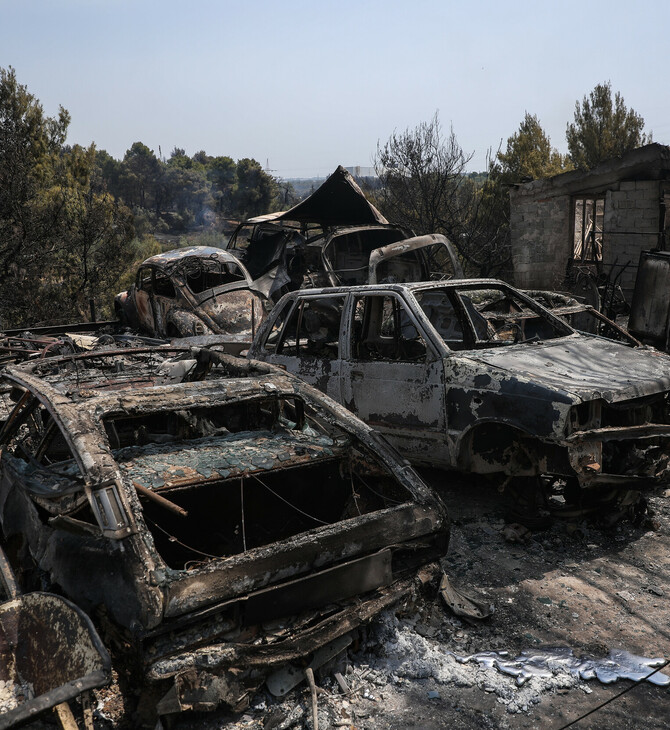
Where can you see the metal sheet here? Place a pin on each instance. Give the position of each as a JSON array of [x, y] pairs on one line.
[[651, 299]]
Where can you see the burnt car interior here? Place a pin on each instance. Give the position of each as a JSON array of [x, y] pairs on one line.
[[247, 475], [262, 247], [348, 255], [470, 317], [204, 274], [313, 329], [49, 467], [383, 330], [318, 256]]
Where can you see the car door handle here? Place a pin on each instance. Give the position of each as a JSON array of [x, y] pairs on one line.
[[357, 374]]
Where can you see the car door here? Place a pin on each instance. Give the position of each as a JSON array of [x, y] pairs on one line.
[[393, 378], [304, 338]]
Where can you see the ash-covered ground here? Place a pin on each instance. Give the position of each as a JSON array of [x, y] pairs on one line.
[[574, 585]]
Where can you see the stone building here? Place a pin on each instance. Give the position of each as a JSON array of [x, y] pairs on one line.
[[600, 220]]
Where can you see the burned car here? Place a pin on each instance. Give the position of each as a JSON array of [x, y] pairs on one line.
[[217, 517], [334, 237], [477, 376], [192, 291]]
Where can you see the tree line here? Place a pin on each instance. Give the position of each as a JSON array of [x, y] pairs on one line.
[[75, 221], [181, 193]]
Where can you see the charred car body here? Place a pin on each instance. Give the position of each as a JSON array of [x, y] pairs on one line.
[[192, 291], [219, 517], [334, 237], [477, 376]]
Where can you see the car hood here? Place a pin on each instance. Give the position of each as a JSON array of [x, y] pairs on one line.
[[587, 367]]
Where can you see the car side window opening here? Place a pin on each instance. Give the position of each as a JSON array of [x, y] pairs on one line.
[[349, 254], [38, 441], [204, 275], [443, 315], [313, 329], [144, 279], [163, 285], [438, 262], [384, 330], [272, 340]]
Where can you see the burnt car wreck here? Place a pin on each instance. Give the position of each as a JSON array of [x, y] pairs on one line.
[[477, 376], [216, 517], [335, 237], [192, 291]]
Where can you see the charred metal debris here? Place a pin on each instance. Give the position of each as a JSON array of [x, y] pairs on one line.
[[50, 653], [217, 517], [333, 237]]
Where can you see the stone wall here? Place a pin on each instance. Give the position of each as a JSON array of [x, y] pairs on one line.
[[541, 233], [631, 225], [541, 242]]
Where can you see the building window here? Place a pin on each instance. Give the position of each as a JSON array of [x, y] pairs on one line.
[[587, 232]]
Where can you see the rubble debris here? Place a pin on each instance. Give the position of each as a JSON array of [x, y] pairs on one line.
[[309, 674], [463, 603], [289, 676], [13, 694]]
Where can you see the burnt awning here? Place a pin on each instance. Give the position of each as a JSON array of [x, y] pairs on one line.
[[338, 202]]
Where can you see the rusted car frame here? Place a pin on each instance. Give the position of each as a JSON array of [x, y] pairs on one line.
[[190, 500], [459, 379], [192, 291]]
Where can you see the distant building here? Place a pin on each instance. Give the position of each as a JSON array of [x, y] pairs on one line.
[[359, 171], [601, 219]]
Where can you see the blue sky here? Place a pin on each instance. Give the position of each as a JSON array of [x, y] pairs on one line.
[[306, 86]]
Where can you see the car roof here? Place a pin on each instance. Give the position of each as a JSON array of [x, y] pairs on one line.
[[169, 259], [95, 381], [407, 286]]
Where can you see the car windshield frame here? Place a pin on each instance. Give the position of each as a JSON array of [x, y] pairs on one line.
[[469, 325]]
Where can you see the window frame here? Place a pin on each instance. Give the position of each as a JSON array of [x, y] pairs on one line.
[[588, 248]]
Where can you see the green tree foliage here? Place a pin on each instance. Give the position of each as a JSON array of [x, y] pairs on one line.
[[60, 238], [603, 127], [222, 173], [254, 191], [140, 172], [529, 154], [187, 193]]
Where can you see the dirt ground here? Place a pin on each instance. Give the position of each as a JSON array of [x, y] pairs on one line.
[[573, 585]]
